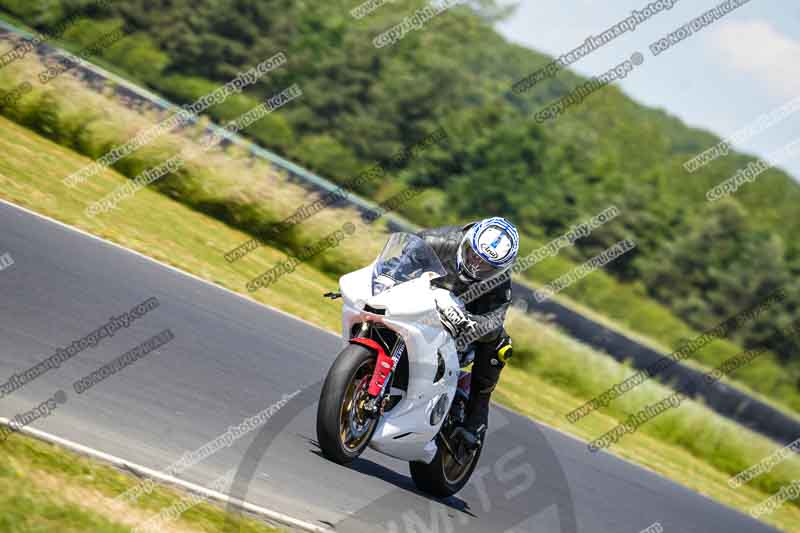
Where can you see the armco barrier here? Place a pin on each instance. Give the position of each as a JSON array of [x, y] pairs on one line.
[[723, 399]]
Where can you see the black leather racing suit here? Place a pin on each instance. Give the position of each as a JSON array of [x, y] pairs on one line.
[[486, 305]]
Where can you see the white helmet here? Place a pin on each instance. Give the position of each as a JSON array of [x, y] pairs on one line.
[[487, 249]]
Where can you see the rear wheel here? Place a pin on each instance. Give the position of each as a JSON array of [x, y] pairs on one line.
[[446, 475], [344, 428]]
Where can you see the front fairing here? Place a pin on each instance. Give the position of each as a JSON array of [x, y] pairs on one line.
[[406, 307], [409, 309]]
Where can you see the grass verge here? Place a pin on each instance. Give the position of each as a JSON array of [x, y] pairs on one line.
[[44, 488]]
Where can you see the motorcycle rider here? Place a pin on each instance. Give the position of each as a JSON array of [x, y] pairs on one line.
[[477, 258]]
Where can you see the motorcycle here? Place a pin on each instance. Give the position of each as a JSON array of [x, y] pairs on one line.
[[400, 386]]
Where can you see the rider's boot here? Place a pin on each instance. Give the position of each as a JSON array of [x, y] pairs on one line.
[[489, 362]]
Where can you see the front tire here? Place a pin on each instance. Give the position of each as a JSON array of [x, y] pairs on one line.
[[343, 429]]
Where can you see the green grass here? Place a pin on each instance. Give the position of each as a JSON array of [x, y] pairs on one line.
[[692, 430], [44, 488], [692, 445]]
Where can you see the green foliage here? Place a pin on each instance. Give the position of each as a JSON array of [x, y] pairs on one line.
[[36, 13], [137, 53], [326, 154], [719, 260], [85, 31]]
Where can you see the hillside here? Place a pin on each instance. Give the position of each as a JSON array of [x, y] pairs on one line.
[[362, 104]]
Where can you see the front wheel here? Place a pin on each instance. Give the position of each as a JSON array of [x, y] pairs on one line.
[[344, 428], [445, 476]]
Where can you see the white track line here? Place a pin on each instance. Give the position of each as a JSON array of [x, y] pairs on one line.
[[160, 476], [149, 472]]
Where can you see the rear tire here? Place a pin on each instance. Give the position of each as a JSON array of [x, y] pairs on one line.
[[338, 411], [434, 479]]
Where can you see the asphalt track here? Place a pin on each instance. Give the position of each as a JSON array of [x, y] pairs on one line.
[[232, 358]]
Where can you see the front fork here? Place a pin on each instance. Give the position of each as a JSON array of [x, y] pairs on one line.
[[384, 371]]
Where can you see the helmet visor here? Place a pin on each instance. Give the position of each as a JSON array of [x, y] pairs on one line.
[[473, 264]]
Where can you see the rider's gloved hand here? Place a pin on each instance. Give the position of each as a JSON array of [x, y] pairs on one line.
[[453, 315]]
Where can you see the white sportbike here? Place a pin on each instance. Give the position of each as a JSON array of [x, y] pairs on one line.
[[399, 386]]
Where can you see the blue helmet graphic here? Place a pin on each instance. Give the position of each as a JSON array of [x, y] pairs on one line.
[[488, 248]]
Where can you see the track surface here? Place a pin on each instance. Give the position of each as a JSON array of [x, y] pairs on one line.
[[232, 358]]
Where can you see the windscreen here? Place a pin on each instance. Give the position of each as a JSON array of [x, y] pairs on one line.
[[405, 257]]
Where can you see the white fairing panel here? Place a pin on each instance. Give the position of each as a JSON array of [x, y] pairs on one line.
[[356, 289], [405, 432]]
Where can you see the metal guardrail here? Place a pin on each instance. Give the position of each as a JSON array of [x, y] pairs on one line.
[[725, 400]]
